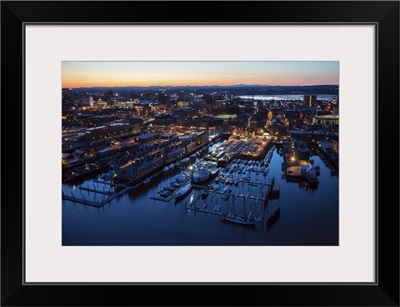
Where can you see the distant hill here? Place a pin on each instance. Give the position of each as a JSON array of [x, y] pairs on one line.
[[253, 88]]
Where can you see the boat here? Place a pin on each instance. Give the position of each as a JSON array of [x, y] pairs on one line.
[[169, 189], [227, 195], [201, 176], [185, 160], [188, 176], [165, 193], [214, 171], [109, 175], [182, 192], [179, 178], [204, 194], [171, 166], [174, 184], [239, 219], [147, 180], [193, 156], [204, 171], [166, 169], [215, 187]]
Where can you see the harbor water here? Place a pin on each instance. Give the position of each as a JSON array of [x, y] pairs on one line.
[[300, 216]]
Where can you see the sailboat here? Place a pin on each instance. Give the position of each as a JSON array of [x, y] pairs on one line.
[[240, 219]]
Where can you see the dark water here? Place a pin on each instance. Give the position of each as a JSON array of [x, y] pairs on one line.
[[306, 217]]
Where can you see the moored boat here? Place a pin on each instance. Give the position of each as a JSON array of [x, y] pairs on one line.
[[204, 194], [109, 175], [185, 160], [204, 171], [183, 191], [201, 176], [239, 219], [174, 184]]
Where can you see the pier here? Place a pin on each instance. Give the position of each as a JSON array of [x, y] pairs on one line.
[[202, 210], [204, 207], [93, 201], [97, 191]]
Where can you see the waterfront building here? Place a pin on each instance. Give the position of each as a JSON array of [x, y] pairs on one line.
[[146, 138], [307, 135], [102, 132], [326, 119], [303, 153], [202, 138]]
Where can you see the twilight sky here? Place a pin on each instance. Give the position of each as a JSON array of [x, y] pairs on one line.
[[87, 74]]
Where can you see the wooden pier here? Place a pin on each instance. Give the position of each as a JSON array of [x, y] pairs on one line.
[[205, 211], [205, 207], [96, 191], [111, 184], [95, 202], [164, 199]]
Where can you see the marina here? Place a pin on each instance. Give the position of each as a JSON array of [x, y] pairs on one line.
[[248, 195]]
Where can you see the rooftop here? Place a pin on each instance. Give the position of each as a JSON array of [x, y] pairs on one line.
[[95, 128], [327, 116], [146, 136]]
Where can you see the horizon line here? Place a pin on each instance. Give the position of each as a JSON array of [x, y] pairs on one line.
[[188, 85]]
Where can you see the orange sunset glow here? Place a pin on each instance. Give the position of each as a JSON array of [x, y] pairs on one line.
[[112, 74]]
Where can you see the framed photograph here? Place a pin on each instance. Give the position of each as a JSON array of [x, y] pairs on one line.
[[232, 150]]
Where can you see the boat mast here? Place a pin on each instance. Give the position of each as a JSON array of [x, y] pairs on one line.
[[244, 207], [233, 213]]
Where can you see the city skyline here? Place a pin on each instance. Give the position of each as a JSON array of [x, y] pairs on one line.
[[198, 73]]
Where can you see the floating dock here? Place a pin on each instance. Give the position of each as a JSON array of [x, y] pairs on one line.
[[95, 202]]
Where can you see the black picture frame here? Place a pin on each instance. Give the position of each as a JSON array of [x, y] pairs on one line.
[[383, 14]]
